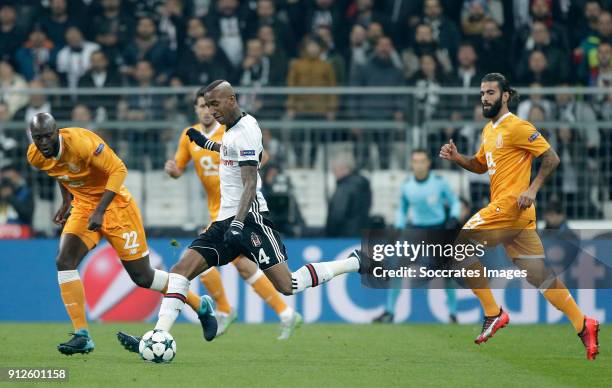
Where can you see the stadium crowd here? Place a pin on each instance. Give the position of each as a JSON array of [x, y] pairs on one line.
[[425, 43]]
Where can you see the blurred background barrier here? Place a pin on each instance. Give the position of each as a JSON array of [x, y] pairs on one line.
[[111, 296], [310, 134]]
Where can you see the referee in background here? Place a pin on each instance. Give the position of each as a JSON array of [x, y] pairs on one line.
[[426, 199]]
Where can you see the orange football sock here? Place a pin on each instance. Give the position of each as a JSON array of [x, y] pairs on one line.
[[193, 301], [480, 288], [560, 297], [266, 291], [73, 296], [212, 281]]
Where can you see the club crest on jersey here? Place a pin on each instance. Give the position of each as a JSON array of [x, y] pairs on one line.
[[224, 149], [247, 153], [99, 150], [73, 168], [534, 136], [255, 240], [500, 141]]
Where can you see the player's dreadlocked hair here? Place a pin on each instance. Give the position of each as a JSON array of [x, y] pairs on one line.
[[504, 86]]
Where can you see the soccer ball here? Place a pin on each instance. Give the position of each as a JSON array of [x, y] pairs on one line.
[[157, 346]]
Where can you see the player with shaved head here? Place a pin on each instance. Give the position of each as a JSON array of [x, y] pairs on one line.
[[95, 204], [242, 226]]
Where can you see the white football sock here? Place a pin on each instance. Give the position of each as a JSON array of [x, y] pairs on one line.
[[160, 280], [312, 275], [173, 301], [286, 314]]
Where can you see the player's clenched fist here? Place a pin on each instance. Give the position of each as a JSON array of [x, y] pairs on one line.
[[526, 199], [61, 216], [449, 151], [95, 220], [172, 169]]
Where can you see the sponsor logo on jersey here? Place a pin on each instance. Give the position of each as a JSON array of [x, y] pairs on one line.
[[247, 153], [99, 150], [255, 240], [534, 136], [110, 293]]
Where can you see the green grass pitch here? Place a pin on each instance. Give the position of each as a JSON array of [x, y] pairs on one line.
[[318, 355]]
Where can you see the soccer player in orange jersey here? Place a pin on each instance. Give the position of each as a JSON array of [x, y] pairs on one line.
[[508, 148], [207, 168], [90, 177]]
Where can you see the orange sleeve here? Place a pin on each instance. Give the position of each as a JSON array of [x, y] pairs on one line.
[[99, 155], [480, 154], [31, 156], [525, 136], [182, 155]]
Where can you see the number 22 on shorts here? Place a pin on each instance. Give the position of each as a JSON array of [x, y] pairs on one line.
[[130, 240]]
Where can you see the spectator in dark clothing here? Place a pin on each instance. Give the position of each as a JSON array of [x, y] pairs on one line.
[[11, 36], [279, 64], [424, 44], [537, 70], [429, 80], [349, 207], [587, 23], [330, 54], [491, 45], [35, 54], [403, 16], [100, 76], [365, 14], [147, 46], [227, 26], [112, 26], [445, 32], [204, 66], [586, 54], [57, 22], [323, 12], [467, 75], [378, 71], [195, 30], [540, 40], [266, 15], [16, 201]]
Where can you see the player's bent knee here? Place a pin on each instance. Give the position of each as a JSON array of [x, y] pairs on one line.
[[142, 279], [246, 268], [190, 265], [65, 262]]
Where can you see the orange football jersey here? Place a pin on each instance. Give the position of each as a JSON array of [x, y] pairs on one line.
[[85, 166], [206, 164], [507, 149]]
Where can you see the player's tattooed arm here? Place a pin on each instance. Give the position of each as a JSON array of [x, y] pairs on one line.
[[249, 182], [550, 161], [197, 137]]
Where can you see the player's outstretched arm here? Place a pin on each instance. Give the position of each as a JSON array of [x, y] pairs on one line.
[[196, 136], [550, 161], [470, 163], [233, 235]]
